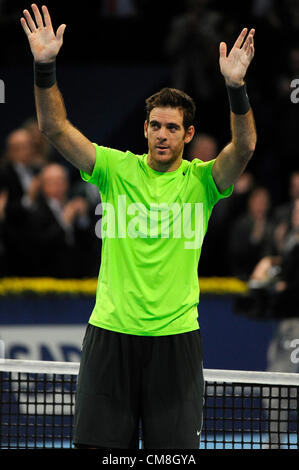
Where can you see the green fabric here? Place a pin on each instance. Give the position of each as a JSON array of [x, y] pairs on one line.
[[148, 282]]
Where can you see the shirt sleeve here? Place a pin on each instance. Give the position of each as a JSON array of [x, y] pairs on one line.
[[204, 171], [107, 160]]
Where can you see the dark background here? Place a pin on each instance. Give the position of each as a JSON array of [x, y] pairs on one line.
[[110, 63]]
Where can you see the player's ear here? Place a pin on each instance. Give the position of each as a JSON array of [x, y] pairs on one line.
[[189, 134], [145, 129]]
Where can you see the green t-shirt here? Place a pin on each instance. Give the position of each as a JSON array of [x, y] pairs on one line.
[[152, 229]]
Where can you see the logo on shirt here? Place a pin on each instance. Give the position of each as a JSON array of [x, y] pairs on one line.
[[136, 220]]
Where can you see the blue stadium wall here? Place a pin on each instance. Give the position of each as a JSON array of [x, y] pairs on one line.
[[52, 328]]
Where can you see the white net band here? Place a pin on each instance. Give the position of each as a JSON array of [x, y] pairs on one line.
[[210, 375]]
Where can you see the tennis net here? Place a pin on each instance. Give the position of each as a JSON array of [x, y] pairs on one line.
[[242, 410]]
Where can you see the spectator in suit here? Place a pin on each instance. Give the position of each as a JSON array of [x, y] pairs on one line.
[[64, 238], [16, 180], [16, 174], [283, 212], [282, 216], [42, 150]]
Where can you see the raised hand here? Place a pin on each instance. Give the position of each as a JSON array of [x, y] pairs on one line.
[[234, 66], [44, 44]]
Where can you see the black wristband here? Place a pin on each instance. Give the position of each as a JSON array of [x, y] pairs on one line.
[[238, 99], [44, 74]]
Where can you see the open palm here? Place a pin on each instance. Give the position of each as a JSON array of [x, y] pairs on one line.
[[234, 65], [44, 44]]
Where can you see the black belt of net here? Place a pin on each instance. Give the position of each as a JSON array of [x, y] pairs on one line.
[[36, 411]]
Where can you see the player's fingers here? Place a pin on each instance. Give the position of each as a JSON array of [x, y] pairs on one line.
[[249, 40], [25, 27], [47, 17], [246, 46], [240, 39], [37, 15], [251, 51], [30, 21], [222, 49], [60, 32], [249, 47]]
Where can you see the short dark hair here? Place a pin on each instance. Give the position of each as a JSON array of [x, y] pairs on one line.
[[173, 98]]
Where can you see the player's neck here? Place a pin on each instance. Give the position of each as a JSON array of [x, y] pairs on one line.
[[163, 166]]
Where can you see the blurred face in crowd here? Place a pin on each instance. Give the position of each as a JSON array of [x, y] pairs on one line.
[[259, 203], [203, 147], [19, 147], [54, 182], [244, 183], [166, 137], [39, 142], [294, 186]]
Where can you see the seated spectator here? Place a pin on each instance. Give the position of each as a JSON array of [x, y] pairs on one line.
[[287, 258], [282, 216], [251, 234], [215, 258], [42, 150], [16, 173], [285, 297], [283, 212], [61, 228], [16, 179]]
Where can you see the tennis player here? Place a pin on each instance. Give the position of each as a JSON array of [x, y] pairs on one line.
[[142, 353]]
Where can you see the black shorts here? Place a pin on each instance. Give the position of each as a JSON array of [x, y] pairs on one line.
[[125, 379]]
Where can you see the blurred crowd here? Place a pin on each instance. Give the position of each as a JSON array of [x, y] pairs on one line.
[[247, 234], [46, 218]]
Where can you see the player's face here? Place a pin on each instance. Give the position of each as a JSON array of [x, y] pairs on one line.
[[166, 136]]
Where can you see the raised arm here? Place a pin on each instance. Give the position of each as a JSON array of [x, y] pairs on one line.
[[51, 112], [233, 159]]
